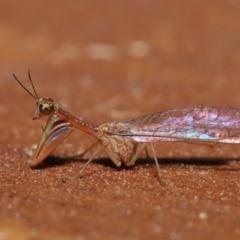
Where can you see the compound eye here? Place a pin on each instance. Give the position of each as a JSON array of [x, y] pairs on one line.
[[46, 108]]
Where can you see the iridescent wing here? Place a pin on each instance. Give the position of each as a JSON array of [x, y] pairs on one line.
[[203, 124]]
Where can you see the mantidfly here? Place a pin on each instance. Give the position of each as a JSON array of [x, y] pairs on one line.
[[61, 123], [120, 139]]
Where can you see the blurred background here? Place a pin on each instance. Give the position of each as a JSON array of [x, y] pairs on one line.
[[127, 56], [111, 60]]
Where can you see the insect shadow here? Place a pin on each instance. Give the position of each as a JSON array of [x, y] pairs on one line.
[[52, 161]]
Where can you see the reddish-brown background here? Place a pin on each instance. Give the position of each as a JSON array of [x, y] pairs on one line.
[[192, 58]]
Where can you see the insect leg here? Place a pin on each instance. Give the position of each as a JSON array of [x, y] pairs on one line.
[[146, 152], [90, 160], [157, 165], [87, 150], [136, 153]]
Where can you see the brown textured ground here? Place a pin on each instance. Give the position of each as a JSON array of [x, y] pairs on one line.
[[159, 55]]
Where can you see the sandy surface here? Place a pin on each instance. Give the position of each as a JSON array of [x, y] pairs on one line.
[[106, 61]]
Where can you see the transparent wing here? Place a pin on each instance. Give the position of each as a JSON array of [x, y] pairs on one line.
[[216, 124]]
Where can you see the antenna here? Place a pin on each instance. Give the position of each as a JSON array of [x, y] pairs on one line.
[[30, 79]]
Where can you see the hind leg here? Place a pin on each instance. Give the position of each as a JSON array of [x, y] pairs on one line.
[[136, 153]]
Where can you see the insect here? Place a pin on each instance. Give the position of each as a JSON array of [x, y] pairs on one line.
[[120, 139]]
